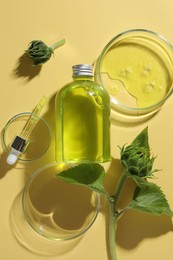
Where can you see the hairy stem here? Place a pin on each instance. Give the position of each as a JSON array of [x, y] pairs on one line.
[[112, 231], [113, 217], [118, 189]]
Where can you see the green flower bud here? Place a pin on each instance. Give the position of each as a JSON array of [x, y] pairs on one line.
[[137, 160], [40, 52]]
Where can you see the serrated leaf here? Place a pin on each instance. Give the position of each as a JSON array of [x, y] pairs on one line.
[[91, 175], [149, 198], [142, 139]]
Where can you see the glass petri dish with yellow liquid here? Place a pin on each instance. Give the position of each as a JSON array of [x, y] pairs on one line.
[[136, 67]]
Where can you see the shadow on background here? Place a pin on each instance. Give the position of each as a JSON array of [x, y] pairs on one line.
[[36, 243], [134, 226], [120, 119], [25, 69], [112, 176], [4, 166]]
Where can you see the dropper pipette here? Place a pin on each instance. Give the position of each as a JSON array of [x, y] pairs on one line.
[[21, 140]]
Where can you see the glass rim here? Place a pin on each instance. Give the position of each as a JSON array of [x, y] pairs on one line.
[[100, 60], [10, 121], [71, 236]]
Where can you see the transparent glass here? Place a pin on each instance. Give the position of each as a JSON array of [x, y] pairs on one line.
[[82, 110], [39, 139], [50, 211], [136, 67]]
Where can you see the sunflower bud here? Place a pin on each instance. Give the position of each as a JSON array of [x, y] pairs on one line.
[[40, 52], [136, 158]]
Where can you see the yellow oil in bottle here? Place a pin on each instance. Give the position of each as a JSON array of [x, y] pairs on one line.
[[82, 122]]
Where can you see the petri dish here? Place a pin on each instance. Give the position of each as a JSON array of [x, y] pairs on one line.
[[38, 141], [136, 67], [51, 216]]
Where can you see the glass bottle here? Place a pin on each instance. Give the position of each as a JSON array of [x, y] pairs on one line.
[[82, 110]]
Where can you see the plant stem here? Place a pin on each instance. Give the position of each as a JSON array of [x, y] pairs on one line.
[[113, 217], [119, 188], [57, 44], [112, 231]]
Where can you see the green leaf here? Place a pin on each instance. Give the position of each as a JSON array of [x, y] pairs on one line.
[[142, 139], [149, 198], [90, 175]]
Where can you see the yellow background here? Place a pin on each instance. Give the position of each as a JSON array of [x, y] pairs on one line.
[[87, 27]]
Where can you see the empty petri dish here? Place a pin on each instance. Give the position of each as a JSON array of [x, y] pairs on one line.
[[50, 216]]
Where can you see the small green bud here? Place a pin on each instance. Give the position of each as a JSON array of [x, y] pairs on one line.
[[133, 170], [136, 158], [40, 52]]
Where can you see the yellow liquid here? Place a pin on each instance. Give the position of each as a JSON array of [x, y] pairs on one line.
[[82, 124], [138, 68]]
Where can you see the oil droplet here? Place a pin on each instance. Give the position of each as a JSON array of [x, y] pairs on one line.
[[147, 67], [113, 88], [150, 87], [126, 72]]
